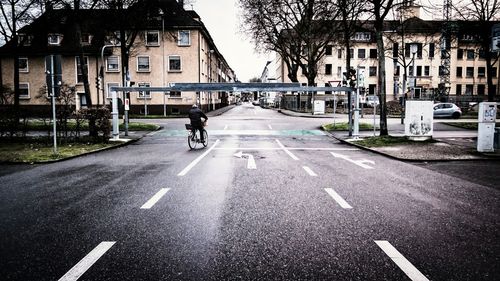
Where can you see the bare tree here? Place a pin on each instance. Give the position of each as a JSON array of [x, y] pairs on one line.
[[378, 11], [483, 13], [299, 31]]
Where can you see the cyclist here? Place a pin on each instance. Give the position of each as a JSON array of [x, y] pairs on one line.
[[195, 115]]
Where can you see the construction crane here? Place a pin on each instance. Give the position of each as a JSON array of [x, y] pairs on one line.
[[445, 43]]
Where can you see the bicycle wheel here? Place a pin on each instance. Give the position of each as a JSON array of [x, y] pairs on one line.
[[205, 138], [192, 140]]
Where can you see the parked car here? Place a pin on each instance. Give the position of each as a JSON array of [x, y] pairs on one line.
[[372, 101], [447, 109]]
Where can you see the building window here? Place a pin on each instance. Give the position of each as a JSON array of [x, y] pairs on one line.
[[108, 87], [328, 50], [481, 72], [79, 74], [328, 92], [24, 40], [339, 53], [470, 54], [83, 100], [419, 70], [54, 39], [373, 71], [494, 72], [143, 64], [482, 54], [113, 64], [459, 90], [351, 53], [361, 53], [373, 53], [460, 54], [395, 50], [86, 39], [397, 70], [467, 37], [174, 63], [481, 89], [144, 94], [339, 72], [432, 46], [328, 69], [468, 89], [175, 94], [408, 53], [427, 70], [152, 38], [459, 71], [184, 38], [23, 65], [469, 72], [361, 36], [24, 90]]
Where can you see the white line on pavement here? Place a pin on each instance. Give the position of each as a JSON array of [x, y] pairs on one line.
[[195, 161], [225, 127], [360, 163], [408, 268], [79, 269], [286, 150], [309, 171], [155, 198], [338, 198], [289, 148], [270, 128]]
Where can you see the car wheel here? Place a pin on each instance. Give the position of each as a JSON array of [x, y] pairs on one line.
[[456, 115]]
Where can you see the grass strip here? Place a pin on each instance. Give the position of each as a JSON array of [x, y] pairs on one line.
[[344, 126], [379, 141]]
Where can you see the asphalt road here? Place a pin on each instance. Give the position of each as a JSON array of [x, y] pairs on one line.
[[306, 208]]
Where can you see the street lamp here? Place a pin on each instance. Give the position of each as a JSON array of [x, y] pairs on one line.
[[413, 50], [210, 101], [163, 60]]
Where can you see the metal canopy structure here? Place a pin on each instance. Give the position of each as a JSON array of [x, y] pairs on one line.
[[233, 87]]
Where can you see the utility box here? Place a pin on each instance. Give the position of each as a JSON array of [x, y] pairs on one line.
[[419, 119], [486, 126], [319, 107]]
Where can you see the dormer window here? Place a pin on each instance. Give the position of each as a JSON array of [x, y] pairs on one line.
[[86, 39], [24, 40], [361, 36], [54, 39], [467, 37]]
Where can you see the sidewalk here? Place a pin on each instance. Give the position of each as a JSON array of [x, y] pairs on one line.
[[451, 143]]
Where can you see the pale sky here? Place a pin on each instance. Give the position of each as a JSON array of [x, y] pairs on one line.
[[222, 21]]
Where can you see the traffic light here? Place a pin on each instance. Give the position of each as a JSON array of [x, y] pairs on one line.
[[352, 78]]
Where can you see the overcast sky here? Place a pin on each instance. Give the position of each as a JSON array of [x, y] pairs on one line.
[[222, 21]]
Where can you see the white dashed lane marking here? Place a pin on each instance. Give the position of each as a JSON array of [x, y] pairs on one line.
[[309, 171], [79, 269], [338, 198], [155, 198], [408, 268]]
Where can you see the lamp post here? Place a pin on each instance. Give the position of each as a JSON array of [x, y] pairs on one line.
[[210, 101], [413, 50]]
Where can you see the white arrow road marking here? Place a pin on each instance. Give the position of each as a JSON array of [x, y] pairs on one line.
[[408, 268], [195, 161], [338, 198], [155, 198], [360, 163], [309, 171], [251, 162], [79, 269]]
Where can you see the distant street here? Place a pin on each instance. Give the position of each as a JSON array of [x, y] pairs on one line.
[[270, 198]]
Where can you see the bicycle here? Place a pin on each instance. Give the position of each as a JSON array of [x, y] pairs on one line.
[[194, 137]]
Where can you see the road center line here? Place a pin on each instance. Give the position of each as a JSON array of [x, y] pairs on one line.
[[408, 268], [195, 161], [309, 171], [338, 198], [155, 198], [286, 150], [79, 269]]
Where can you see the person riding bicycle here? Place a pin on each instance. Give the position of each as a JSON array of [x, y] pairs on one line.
[[195, 115]]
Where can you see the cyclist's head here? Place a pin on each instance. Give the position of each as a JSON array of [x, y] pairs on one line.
[[195, 105]]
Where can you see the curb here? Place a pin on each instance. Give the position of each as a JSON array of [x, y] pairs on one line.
[[485, 157], [303, 116]]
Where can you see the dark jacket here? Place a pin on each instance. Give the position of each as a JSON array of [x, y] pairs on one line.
[[195, 115]]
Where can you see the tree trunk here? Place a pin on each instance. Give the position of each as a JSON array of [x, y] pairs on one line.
[[381, 82]]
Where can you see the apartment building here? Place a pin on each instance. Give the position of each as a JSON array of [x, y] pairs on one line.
[[468, 71], [167, 45]]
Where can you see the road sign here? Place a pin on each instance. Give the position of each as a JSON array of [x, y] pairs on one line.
[[127, 104]]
